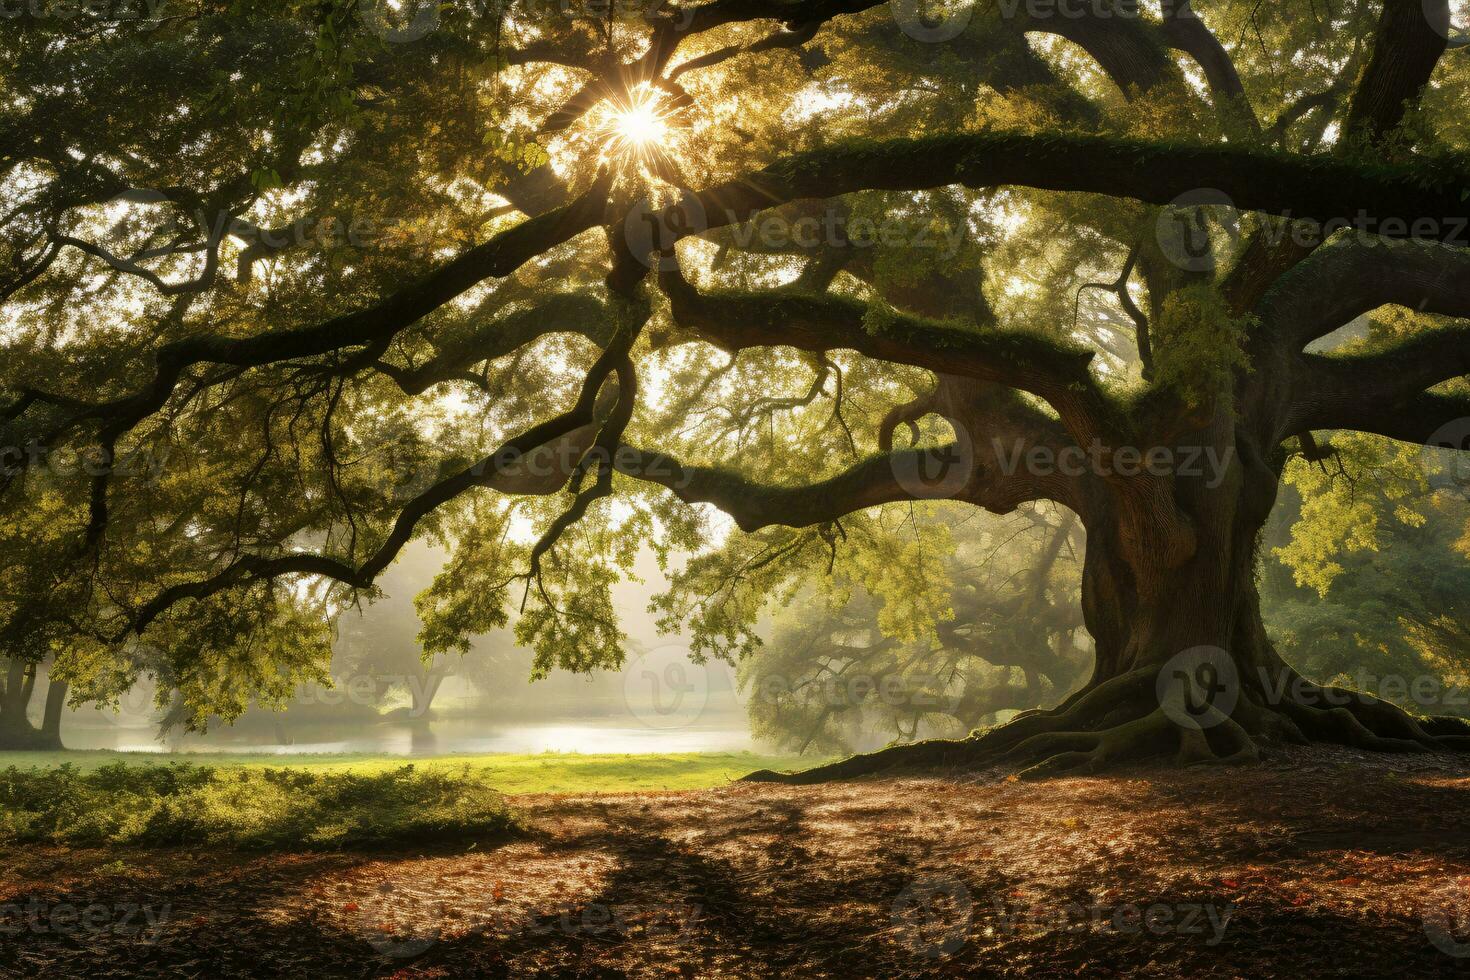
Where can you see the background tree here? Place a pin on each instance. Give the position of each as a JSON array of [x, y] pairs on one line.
[[836, 674], [16, 694], [1371, 585], [380, 642], [532, 300]]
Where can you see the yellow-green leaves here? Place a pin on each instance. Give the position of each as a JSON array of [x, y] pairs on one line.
[[1197, 345], [1344, 500]]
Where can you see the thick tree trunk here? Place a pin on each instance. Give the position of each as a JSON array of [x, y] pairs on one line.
[[16, 730], [16, 739], [1144, 610], [50, 735], [10, 700], [1184, 669], [29, 688]]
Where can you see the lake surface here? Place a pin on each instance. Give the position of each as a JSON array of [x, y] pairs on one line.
[[438, 737], [660, 702]]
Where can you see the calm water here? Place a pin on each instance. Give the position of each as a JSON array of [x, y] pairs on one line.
[[439, 737], [661, 702]]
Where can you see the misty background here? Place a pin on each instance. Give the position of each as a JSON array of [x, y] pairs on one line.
[[386, 699]]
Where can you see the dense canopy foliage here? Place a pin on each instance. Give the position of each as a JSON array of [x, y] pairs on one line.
[[289, 285]]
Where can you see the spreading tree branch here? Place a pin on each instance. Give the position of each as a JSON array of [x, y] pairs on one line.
[[1354, 275]]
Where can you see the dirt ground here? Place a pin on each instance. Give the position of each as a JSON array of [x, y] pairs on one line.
[[1323, 862]]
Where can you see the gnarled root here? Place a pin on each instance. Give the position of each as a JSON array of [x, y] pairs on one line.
[[1124, 719], [1096, 703], [1333, 714], [1088, 751]]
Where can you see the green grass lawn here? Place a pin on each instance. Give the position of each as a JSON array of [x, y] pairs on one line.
[[550, 772]]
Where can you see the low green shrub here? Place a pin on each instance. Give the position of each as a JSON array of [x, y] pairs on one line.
[[269, 809]]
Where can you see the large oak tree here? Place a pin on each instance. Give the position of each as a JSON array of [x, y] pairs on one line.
[[288, 285]]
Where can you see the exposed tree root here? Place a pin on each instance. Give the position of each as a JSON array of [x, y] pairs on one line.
[[1088, 751], [1124, 719], [1081, 708]]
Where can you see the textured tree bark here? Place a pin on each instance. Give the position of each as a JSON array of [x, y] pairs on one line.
[[50, 734], [14, 683], [1185, 670], [1142, 602], [16, 730], [28, 689]]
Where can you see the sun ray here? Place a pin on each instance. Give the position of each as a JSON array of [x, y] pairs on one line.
[[637, 125]]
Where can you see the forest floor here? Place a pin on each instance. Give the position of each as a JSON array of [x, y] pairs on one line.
[[1322, 862]]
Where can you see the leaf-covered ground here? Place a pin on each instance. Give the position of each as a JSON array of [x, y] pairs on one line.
[[1322, 863]]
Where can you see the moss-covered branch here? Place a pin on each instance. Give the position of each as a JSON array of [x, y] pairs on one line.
[[1423, 199], [1356, 275]]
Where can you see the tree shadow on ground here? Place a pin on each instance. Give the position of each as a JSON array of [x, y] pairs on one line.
[[1315, 867]]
